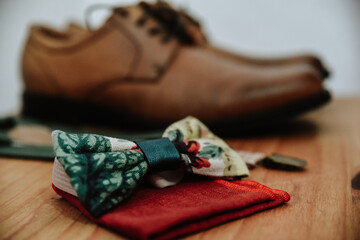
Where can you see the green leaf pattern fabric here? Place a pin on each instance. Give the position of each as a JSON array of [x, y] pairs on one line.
[[100, 177]]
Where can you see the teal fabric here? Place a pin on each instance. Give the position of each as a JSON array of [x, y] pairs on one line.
[[161, 154]]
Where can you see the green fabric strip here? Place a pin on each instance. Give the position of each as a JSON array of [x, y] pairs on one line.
[[161, 154]]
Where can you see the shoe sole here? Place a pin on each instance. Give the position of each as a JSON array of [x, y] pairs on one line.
[[61, 110], [276, 117]]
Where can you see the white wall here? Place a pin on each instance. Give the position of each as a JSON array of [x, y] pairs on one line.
[[330, 28]]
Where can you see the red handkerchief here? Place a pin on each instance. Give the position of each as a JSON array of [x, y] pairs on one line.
[[186, 208]]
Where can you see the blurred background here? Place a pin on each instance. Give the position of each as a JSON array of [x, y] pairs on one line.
[[328, 28]]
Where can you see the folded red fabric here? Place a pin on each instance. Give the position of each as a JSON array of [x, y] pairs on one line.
[[189, 207]]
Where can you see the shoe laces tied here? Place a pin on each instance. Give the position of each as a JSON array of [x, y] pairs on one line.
[[172, 23]]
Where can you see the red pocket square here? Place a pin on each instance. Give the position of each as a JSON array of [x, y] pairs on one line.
[[186, 208]]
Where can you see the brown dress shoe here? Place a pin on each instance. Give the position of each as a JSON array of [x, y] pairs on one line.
[[194, 30], [144, 70]]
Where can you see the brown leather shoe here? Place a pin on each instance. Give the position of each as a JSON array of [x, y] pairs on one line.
[[194, 30], [143, 70]]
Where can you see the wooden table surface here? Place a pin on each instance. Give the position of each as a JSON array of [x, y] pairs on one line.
[[325, 198]]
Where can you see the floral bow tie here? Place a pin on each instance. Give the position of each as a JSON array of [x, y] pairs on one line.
[[104, 171]]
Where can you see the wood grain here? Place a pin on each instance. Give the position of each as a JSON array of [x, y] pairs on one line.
[[323, 203]]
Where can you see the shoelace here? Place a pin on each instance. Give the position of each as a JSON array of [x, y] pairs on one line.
[[181, 12], [171, 22]]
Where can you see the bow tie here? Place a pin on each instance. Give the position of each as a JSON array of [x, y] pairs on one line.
[[104, 171]]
